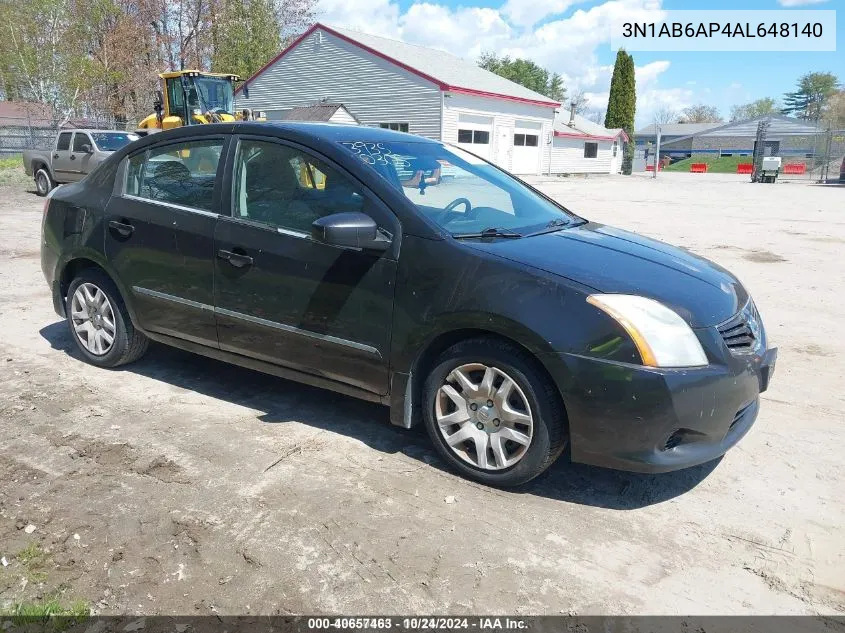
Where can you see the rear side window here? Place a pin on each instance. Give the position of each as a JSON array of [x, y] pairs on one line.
[[181, 173], [64, 140]]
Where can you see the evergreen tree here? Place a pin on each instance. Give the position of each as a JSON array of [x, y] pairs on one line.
[[622, 103], [809, 100]]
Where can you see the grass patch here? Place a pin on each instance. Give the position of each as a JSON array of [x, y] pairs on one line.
[[50, 615], [715, 164], [32, 557], [11, 170]]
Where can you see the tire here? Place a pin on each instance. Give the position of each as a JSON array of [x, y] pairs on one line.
[[127, 344], [534, 396], [43, 182]]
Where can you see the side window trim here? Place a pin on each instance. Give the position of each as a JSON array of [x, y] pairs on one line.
[[231, 169], [218, 178]]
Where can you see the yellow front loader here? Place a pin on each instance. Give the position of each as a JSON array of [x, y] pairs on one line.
[[194, 97]]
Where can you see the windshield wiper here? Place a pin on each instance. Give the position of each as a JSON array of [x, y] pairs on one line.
[[488, 232]]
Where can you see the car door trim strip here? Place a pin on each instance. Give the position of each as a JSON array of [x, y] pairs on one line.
[[265, 322], [170, 205], [295, 330]]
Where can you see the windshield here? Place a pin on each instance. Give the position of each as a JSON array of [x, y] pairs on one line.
[[216, 94], [112, 141], [460, 192]]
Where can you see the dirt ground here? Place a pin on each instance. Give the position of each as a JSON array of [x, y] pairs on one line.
[[152, 489]]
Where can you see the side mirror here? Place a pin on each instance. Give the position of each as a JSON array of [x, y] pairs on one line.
[[349, 230], [86, 148], [158, 104]]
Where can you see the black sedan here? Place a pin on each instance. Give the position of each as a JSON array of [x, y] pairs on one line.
[[408, 272]]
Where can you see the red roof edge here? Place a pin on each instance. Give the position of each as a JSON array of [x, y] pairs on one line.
[[437, 82], [495, 95]]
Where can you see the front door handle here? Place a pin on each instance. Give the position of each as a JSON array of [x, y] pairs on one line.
[[55, 155], [73, 156], [238, 260], [122, 228]]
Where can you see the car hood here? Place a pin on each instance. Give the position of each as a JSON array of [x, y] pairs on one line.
[[611, 260]]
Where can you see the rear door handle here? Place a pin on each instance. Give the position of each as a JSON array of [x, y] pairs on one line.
[[238, 260], [55, 155], [73, 157], [122, 228]]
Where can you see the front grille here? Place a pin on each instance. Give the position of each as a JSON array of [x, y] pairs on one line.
[[742, 332]]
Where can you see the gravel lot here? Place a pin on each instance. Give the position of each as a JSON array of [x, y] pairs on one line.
[[150, 489]]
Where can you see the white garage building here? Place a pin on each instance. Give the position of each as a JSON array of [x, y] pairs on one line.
[[387, 83]]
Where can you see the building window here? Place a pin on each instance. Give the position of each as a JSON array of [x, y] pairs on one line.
[[525, 140], [477, 137], [615, 148], [591, 150], [396, 127]]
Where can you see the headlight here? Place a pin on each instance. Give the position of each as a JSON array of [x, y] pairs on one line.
[[662, 337]]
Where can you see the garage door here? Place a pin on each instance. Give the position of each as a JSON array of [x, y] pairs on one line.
[[474, 134], [526, 147]]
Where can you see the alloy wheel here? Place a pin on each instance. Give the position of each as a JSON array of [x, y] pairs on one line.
[[41, 183], [484, 416], [92, 317]]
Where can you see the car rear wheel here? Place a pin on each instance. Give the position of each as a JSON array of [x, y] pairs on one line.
[[492, 413], [43, 182], [99, 322]]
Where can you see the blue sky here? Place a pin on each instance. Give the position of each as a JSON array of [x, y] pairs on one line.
[[571, 37]]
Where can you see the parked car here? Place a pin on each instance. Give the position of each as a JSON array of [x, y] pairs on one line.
[[75, 154], [507, 325]]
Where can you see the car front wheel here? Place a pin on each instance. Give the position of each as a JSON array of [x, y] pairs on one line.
[[492, 413], [43, 182], [99, 323]]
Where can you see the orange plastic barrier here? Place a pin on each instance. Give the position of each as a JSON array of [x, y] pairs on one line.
[[795, 168], [745, 168], [651, 168], [698, 168]]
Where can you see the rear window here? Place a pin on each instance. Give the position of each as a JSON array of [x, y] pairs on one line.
[[113, 141]]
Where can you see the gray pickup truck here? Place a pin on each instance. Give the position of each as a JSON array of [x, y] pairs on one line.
[[74, 155]]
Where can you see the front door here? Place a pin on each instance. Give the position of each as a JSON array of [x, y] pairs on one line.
[[286, 299], [63, 167], [80, 159], [159, 237]]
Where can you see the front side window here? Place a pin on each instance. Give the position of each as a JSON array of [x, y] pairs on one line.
[[288, 189], [79, 140], [180, 173], [458, 191], [64, 140], [591, 150]]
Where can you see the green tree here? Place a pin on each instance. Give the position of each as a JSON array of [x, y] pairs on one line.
[[526, 73], [622, 103], [758, 108], [809, 100], [245, 35], [700, 113], [39, 62]]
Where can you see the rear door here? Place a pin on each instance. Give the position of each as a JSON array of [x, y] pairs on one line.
[[63, 167], [282, 297], [159, 236]]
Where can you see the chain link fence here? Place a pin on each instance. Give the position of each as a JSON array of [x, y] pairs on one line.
[[812, 158], [19, 134]]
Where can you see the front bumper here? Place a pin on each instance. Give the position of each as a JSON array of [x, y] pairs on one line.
[[651, 420]]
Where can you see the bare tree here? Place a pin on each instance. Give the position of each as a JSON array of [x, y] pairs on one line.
[[665, 114]]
